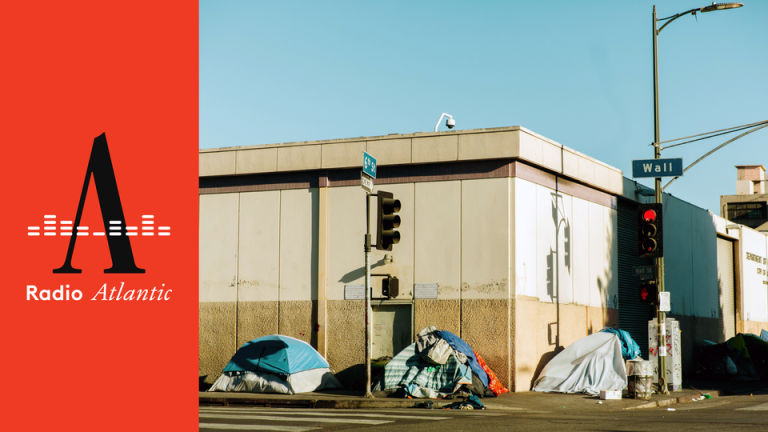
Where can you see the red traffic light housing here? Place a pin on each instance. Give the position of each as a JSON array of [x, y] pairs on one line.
[[649, 231]]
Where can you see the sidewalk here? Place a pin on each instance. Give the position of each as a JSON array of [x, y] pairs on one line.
[[528, 401]]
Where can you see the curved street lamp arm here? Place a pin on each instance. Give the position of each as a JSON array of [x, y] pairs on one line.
[[714, 150], [674, 17]]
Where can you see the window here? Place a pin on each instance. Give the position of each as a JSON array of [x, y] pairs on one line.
[[747, 211]]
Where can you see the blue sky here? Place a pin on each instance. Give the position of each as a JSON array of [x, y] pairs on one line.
[[579, 73]]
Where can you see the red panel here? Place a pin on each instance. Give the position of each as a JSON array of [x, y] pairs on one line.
[[72, 71]]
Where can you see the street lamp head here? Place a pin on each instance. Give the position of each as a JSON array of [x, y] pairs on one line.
[[720, 6]]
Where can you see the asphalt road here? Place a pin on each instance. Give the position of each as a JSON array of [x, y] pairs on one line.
[[743, 413]]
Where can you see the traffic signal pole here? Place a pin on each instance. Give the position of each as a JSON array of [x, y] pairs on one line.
[[368, 311], [660, 316]]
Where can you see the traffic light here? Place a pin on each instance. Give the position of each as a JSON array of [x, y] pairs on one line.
[[387, 221], [649, 233], [649, 293], [390, 287]]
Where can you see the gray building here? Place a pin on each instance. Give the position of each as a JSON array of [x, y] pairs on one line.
[[531, 246]]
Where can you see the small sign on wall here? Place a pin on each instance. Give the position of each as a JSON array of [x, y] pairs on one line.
[[354, 292], [425, 291]]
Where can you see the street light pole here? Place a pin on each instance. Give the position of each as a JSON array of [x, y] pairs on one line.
[[661, 316]]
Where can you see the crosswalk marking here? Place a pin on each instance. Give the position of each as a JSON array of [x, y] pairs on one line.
[[382, 411], [761, 407], [291, 419], [337, 413], [204, 426]]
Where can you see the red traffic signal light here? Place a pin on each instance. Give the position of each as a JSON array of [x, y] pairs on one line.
[[649, 232], [649, 215], [649, 293]]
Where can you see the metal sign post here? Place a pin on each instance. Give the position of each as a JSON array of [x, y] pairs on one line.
[[367, 176], [368, 310]]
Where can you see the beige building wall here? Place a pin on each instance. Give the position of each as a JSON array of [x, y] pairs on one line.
[[486, 271], [511, 256], [218, 282], [565, 261], [258, 270], [437, 253], [258, 279]]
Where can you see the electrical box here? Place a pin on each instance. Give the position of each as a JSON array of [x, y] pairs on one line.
[[673, 351]]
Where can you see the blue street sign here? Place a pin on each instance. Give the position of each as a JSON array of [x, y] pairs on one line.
[[369, 165], [657, 168]]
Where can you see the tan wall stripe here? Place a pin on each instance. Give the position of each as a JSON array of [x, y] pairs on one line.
[[496, 168]]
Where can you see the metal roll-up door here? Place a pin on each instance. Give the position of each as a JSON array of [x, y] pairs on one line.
[[633, 315], [727, 286]]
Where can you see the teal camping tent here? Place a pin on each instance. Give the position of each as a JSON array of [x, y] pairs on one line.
[[276, 354], [276, 364]]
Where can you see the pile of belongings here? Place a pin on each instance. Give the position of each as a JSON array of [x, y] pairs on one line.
[[743, 357], [276, 364], [590, 364], [438, 365]]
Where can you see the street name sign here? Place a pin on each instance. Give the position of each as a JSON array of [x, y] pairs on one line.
[[657, 168], [369, 165], [645, 272], [366, 182]]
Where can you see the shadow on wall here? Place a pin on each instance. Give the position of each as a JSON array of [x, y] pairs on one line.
[[313, 267], [354, 377], [546, 358], [604, 283], [359, 273], [559, 220], [202, 384]]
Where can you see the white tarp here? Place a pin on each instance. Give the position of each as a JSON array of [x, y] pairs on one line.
[[262, 382], [590, 364]]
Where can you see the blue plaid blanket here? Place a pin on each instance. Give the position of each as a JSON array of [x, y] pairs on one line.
[[408, 368]]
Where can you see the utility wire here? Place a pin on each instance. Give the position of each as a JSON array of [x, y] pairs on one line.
[[712, 132], [727, 131], [716, 149]]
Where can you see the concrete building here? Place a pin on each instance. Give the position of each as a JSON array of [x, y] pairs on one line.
[[530, 245], [749, 206]]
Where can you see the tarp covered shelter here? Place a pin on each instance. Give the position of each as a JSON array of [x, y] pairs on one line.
[[590, 364], [742, 357], [414, 370]]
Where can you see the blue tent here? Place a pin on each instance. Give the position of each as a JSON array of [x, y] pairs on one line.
[[276, 354]]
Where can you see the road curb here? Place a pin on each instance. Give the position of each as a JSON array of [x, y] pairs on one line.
[[316, 403], [674, 401]]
